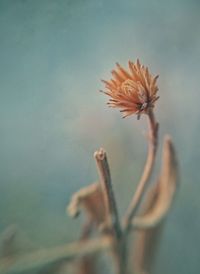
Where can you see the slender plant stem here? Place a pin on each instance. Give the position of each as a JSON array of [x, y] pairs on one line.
[[112, 218], [163, 192], [152, 148], [19, 263]]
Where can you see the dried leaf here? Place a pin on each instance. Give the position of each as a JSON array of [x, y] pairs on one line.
[[90, 199], [165, 190], [157, 205]]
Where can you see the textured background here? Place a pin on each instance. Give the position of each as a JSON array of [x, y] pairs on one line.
[[52, 55]]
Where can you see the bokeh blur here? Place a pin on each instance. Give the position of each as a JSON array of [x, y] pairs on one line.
[[52, 117]]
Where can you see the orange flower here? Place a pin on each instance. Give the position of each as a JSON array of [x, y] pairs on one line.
[[132, 92]]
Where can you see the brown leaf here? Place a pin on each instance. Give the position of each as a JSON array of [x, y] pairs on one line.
[[157, 205], [90, 199]]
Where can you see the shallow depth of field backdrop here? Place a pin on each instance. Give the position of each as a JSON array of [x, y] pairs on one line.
[[52, 118]]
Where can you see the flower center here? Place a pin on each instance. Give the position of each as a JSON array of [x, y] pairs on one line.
[[129, 87], [136, 90]]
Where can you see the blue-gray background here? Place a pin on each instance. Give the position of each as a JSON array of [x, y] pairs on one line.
[[52, 57]]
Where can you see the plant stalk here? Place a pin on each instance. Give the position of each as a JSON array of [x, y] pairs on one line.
[[148, 168]]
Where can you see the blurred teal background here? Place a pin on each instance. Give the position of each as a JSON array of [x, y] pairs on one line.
[[52, 118]]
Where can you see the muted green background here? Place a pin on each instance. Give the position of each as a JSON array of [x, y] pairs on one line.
[[52, 57]]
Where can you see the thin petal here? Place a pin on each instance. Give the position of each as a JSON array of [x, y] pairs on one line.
[[123, 72], [133, 71], [117, 76]]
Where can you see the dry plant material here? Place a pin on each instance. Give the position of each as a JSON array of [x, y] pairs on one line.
[[147, 171], [146, 240], [37, 259], [133, 91], [86, 264], [158, 203], [166, 189], [89, 199], [112, 219]]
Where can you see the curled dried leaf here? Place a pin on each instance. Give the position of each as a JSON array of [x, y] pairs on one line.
[[158, 203], [90, 199], [165, 190]]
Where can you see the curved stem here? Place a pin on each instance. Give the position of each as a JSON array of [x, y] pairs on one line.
[[161, 196], [152, 148]]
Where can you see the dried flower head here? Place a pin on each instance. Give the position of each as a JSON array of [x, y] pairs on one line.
[[134, 92]]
